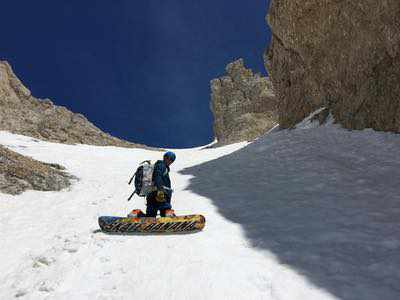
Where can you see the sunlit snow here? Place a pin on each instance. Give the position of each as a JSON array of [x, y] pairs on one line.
[[51, 247]]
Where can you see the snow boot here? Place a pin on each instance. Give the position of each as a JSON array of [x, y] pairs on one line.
[[136, 213], [170, 213]]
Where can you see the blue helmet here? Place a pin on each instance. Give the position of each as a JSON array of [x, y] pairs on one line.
[[171, 155]]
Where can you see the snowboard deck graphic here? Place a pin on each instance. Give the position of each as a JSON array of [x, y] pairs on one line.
[[177, 224]]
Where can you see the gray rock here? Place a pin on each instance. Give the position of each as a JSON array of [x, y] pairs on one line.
[[344, 55], [243, 105], [19, 173]]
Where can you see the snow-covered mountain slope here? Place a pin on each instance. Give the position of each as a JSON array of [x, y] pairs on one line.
[[303, 214], [324, 200]]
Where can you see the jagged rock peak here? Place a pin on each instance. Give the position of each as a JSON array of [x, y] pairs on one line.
[[9, 82], [243, 104]]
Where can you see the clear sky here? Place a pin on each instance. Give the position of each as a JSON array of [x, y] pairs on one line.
[[139, 70]]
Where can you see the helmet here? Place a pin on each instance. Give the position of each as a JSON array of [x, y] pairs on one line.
[[171, 155]]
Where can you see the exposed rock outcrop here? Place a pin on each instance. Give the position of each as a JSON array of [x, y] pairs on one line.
[[344, 55], [21, 113], [243, 104], [19, 173]]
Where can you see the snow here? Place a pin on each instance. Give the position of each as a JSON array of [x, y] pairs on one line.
[[325, 201], [309, 213]]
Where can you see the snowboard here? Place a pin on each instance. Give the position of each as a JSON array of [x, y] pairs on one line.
[[176, 224]]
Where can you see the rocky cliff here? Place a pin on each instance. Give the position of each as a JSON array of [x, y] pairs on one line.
[[21, 113], [344, 55], [243, 104]]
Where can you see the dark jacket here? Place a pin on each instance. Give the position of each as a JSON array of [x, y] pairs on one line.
[[161, 175], [161, 179]]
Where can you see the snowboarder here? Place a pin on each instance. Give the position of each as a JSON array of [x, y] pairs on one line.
[[160, 199]]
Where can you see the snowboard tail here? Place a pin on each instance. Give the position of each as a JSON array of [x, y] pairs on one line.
[[177, 224]]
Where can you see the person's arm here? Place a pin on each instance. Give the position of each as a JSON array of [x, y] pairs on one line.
[[157, 176]]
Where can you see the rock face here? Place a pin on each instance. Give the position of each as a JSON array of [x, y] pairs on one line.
[[19, 173], [21, 113], [344, 55], [243, 104]]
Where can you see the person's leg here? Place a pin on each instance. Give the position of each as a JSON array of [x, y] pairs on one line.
[[152, 207], [151, 210]]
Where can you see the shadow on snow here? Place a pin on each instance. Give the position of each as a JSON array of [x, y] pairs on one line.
[[325, 201]]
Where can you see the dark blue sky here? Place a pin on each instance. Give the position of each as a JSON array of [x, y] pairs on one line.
[[139, 70]]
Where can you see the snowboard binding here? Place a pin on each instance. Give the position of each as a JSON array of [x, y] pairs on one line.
[[136, 213], [170, 213]]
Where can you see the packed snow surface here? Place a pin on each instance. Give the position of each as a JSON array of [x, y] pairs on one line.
[[302, 214]]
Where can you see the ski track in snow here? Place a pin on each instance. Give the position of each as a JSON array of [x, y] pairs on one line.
[[51, 248]]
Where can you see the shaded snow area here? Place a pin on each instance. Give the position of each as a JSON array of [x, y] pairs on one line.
[[325, 201], [300, 214]]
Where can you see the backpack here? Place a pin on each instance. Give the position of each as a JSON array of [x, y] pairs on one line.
[[143, 179]]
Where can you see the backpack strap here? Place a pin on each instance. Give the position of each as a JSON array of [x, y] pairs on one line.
[[130, 197], [130, 180]]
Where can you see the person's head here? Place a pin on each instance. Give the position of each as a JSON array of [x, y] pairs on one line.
[[169, 157]]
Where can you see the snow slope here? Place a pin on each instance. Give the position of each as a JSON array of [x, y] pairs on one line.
[[325, 201], [51, 248]]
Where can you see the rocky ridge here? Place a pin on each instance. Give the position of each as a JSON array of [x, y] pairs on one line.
[[21, 113], [243, 104], [344, 55]]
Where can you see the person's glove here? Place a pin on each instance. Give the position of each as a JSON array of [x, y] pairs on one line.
[[160, 197]]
